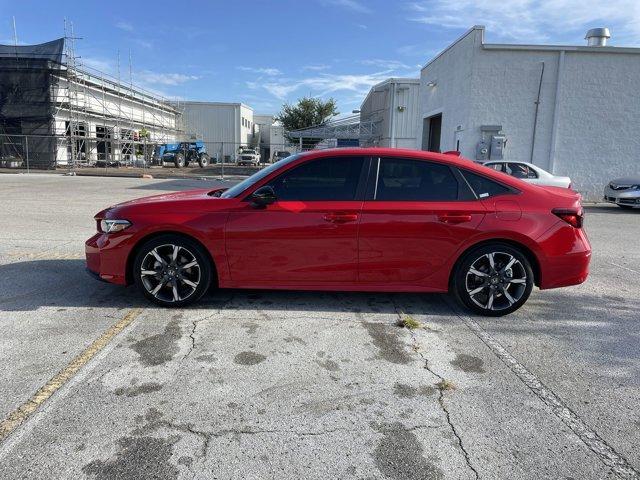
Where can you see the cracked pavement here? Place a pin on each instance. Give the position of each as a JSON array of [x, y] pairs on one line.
[[259, 385]]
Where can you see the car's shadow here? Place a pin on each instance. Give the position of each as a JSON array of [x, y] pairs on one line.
[[29, 285]]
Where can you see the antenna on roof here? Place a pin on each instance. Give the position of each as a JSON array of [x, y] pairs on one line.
[[15, 33]]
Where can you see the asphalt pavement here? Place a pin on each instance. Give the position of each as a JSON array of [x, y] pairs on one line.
[[97, 383]]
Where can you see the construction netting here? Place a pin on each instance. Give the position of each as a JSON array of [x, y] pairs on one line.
[[28, 78]]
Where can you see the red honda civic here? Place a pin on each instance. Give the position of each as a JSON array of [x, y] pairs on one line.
[[352, 219]]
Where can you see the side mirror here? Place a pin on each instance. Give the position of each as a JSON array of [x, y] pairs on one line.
[[263, 196]]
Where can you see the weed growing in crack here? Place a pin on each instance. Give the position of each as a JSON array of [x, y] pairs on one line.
[[407, 321], [444, 385]]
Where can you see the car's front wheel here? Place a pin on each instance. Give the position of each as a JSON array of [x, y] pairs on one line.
[[493, 280], [172, 271]]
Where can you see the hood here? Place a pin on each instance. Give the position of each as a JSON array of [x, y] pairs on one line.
[[192, 201], [626, 181]]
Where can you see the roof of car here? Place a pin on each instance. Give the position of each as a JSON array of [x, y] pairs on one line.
[[452, 158]]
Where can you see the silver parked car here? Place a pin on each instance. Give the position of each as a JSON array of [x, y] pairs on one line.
[[529, 173], [624, 192]]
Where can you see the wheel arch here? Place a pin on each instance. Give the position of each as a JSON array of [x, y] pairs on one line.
[[141, 241], [526, 251]]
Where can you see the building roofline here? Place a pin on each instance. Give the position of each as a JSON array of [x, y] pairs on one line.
[[558, 48], [228, 104], [458, 40], [388, 81]]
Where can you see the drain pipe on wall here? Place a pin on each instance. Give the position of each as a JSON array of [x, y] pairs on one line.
[[554, 126], [392, 142], [535, 118]]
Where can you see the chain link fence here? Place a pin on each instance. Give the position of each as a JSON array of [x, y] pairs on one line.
[[83, 155]]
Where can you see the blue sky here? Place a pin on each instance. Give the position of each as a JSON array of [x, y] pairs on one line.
[[264, 53]]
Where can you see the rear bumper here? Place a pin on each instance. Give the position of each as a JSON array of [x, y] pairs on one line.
[[567, 258], [107, 258]]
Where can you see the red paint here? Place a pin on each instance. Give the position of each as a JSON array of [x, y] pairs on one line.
[[353, 245]]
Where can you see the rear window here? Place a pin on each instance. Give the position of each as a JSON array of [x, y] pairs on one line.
[[415, 180], [484, 187]]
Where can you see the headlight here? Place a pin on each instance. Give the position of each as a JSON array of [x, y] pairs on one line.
[[112, 226]]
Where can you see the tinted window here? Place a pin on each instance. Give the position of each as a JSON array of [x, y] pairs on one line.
[[482, 186], [256, 177], [323, 179], [520, 170], [415, 180]]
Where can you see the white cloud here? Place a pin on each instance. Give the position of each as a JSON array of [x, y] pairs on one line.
[[323, 84], [126, 26], [316, 68], [354, 5], [534, 20], [387, 64], [269, 71], [158, 78]]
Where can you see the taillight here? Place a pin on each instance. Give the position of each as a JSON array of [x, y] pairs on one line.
[[572, 217]]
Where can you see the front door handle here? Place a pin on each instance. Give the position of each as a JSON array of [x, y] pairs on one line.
[[454, 218], [340, 217]]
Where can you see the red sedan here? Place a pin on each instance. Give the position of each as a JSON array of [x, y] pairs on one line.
[[354, 219]]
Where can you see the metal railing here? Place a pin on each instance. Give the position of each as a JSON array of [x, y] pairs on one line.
[[79, 154]]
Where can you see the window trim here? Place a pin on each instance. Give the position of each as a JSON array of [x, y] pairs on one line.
[[372, 183]]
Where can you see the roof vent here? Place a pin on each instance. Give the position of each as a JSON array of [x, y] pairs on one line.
[[597, 37]]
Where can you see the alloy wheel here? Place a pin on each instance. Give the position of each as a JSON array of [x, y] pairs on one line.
[[496, 281], [171, 273]]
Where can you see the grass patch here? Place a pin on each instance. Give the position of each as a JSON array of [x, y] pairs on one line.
[[444, 385], [407, 321]]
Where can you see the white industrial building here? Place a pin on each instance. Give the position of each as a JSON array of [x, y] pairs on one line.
[[224, 127], [572, 110], [392, 109]]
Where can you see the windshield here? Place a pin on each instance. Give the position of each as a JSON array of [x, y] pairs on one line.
[[256, 177]]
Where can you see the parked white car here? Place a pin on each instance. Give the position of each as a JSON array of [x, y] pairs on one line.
[[248, 156], [529, 173]]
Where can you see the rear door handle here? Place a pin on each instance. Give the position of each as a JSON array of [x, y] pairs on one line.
[[340, 217], [454, 218]]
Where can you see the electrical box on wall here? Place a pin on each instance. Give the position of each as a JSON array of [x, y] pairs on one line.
[[496, 151], [482, 151], [492, 144]]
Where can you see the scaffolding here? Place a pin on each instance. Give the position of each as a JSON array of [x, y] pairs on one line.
[[91, 116]]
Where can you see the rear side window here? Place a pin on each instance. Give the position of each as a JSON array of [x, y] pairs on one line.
[[484, 187], [333, 178], [415, 180]]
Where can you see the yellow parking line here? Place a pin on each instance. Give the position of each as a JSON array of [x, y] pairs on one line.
[[20, 414]]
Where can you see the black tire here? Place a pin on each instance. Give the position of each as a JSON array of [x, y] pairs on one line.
[[176, 284], [510, 288], [203, 160], [179, 160], [625, 207]]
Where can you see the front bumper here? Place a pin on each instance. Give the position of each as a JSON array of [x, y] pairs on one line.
[[622, 197], [106, 257]]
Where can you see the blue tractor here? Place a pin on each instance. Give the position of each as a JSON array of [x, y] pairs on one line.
[[182, 154]]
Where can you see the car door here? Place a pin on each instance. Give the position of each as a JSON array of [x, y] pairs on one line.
[[309, 235], [415, 216]]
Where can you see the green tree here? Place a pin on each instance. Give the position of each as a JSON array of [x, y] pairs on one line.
[[308, 112]]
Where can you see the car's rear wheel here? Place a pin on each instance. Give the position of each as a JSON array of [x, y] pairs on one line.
[[493, 280], [172, 271]]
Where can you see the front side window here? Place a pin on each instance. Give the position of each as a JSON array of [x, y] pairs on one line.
[[497, 166], [333, 178], [415, 180]]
